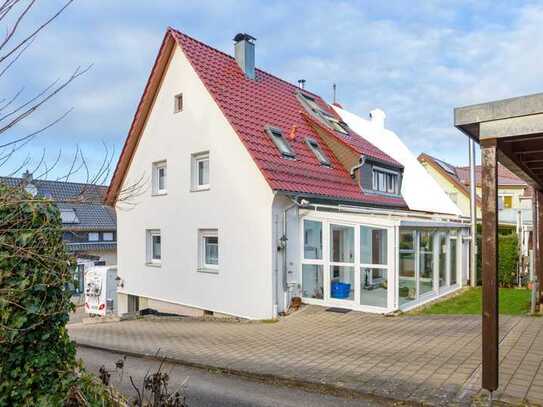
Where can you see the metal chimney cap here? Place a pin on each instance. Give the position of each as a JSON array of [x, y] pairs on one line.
[[244, 37]]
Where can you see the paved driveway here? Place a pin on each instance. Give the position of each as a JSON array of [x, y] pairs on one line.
[[434, 359]]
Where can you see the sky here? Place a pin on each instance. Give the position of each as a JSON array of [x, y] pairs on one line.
[[415, 60]]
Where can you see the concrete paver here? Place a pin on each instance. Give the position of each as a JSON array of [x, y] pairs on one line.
[[435, 359]]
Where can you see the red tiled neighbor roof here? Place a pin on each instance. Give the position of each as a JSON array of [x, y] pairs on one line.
[[505, 177], [251, 105]]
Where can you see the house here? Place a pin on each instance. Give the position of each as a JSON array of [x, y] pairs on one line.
[[514, 194], [258, 191], [89, 225]]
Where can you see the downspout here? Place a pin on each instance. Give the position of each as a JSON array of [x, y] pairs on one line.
[[361, 162], [283, 245]]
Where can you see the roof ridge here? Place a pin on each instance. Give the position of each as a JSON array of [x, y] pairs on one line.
[[55, 181], [233, 58]]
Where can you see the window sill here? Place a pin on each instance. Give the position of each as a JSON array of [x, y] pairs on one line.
[[200, 189], [149, 264], [159, 193], [207, 270]]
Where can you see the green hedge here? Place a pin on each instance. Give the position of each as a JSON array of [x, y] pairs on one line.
[[37, 358], [508, 259]]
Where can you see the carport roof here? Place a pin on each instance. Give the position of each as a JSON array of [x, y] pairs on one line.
[[517, 125]]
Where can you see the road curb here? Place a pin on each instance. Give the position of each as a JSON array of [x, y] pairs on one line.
[[323, 388]]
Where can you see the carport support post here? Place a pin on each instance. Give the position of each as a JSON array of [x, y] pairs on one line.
[[538, 228], [489, 243]]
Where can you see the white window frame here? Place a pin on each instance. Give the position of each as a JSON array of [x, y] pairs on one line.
[[196, 159], [157, 166], [202, 265], [97, 239], [150, 233], [327, 263], [501, 200], [106, 235], [379, 170]]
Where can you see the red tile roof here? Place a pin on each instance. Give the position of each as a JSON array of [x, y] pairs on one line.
[[505, 176], [251, 105]]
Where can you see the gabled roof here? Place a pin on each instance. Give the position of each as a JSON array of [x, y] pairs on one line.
[[461, 173], [250, 106], [449, 175], [83, 204]]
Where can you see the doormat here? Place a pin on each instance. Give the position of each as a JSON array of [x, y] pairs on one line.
[[338, 310]]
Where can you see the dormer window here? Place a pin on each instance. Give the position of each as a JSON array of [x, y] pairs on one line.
[[386, 181], [314, 146], [280, 142]]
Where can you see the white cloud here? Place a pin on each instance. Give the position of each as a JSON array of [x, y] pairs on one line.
[[416, 60]]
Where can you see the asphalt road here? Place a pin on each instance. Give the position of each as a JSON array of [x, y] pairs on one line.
[[204, 388]]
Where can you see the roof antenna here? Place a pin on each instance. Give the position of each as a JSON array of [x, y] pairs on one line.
[[334, 92], [301, 83]]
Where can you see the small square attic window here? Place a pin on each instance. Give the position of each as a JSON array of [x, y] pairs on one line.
[[314, 146], [280, 142], [178, 103]]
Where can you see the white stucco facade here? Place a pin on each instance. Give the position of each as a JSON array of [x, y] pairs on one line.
[[238, 205], [261, 246]]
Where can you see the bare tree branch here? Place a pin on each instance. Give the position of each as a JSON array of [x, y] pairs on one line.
[[17, 22], [35, 32]]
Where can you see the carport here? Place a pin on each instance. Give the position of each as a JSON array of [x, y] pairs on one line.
[[509, 131]]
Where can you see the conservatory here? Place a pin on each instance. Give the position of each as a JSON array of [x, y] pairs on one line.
[[379, 263]]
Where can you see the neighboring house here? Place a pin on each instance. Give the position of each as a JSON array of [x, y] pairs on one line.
[[258, 191], [513, 193], [89, 225]]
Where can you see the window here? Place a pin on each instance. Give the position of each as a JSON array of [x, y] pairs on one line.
[[94, 236], [154, 247], [107, 236], [312, 262], [374, 269], [67, 215], [342, 262], [505, 201], [200, 171], [385, 181], [426, 264], [159, 178], [336, 124], [314, 146], [178, 103], [453, 268], [280, 142], [407, 282], [208, 250]]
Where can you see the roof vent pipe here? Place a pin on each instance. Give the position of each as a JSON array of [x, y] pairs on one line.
[[244, 49], [301, 83], [377, 117]]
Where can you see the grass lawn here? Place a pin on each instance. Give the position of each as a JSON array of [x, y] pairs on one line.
[[513, 301]]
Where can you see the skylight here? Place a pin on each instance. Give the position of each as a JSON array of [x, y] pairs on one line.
[[448, 168], [280, 142], [314, 146], [67, 215], [336, 124]]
